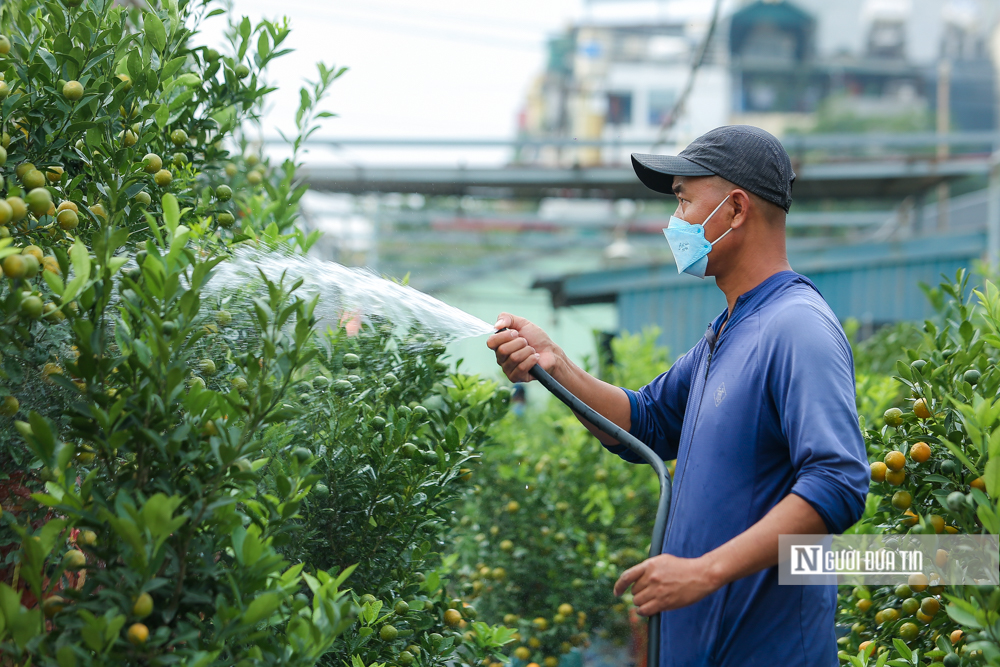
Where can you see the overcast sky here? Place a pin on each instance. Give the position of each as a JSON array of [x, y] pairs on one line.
[[433, 68]]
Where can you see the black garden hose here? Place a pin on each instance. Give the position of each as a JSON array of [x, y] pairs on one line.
[[643, 452]]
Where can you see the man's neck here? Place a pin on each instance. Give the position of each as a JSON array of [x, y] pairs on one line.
[[743, 278]]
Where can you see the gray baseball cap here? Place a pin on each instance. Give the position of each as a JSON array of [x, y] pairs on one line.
[[744, 155]]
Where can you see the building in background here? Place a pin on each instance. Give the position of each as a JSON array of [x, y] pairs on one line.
[[619, 81], [862, 65], [849, 67], [575, 217], [801, 65]]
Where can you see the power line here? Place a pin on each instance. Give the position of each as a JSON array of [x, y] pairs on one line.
[[678, 108]]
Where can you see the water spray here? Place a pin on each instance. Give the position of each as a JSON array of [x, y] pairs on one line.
[[358, 294], [346, 293]]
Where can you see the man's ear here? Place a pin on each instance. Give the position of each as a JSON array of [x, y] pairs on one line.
[[741, 207]]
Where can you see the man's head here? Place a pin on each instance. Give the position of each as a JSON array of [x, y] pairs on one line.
[[745, 163]]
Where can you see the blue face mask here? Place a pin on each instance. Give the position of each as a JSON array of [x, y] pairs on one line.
[[688, 244]]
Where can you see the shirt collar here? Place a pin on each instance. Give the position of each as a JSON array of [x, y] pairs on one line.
[[750, 301]]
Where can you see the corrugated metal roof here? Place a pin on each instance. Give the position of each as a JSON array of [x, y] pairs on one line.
[[876, 283]]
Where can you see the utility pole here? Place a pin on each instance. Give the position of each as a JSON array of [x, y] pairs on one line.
[[993, 216], [993, 203], [376, 220], [904, 218], [943, 127]]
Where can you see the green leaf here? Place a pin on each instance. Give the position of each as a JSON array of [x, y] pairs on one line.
[[202, 658], [157, 514], [65, 656], [171, 67], [992, 477], [48, 534], [451, 437], [937, 479], [126, 529], [959, 453], [155, 32], [134, 64], [42, 440], [54, 282], [93, 632], [181, 100], [370, 612], [162, 116], [24, 627], [114, 626], [989, 518], [262, 607], [155, 228], [80, 257], [226, 118], [344, 575], [46, 499], [171, 212], [117, 263], [989, 649], [178, 243], [867, 652], [188, 79], [963, 616], [903, 649], [49, 60], [994, 446], [966, 331], [263, 45]]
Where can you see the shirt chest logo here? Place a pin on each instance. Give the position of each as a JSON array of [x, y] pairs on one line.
[[720, 394]]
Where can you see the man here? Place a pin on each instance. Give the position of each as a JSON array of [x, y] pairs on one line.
[[760, 416]]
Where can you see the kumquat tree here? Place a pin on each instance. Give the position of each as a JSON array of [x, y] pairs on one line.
[[935, 468], [164, 501]]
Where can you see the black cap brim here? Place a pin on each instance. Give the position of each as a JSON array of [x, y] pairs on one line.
[[657, 171]]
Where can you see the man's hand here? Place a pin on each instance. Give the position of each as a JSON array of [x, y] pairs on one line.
[[521, 346], [666, 582]]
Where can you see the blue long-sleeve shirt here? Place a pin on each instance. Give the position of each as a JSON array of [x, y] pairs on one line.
[[762, 410]]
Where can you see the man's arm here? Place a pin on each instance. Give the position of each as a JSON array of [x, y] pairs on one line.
[[524, 344], [811, 381], [668, 582]]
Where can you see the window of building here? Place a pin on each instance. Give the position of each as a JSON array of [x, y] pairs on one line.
[[661, 103], [762, 96], [619, 108], [887, 39], [770, 43]]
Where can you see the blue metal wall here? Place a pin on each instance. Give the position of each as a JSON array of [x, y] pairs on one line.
[[878, 283], [681, 313]]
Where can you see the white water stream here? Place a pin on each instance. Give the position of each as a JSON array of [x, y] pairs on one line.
[[347, 294]]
